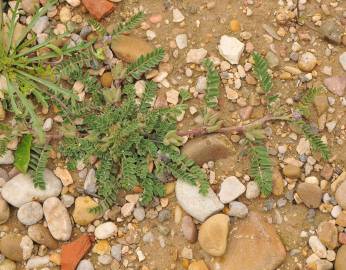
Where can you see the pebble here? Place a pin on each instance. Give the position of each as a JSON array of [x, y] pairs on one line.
[[116, 252], [291, 171], [213, 234], [4, 211], [340, 259], [16, 247], [252, 190], [7, 158], [342, 60], [127, 209], [41, 25], [41, 235], [189, 229], [105, 230], [37, 262], [74, 3], [340, 195], [336, 85], [181, 41], [67, 200], [231, 49], [30, 213], [328, 234], [85, 265], [7, 265], [231, 188], [22, 185], [196, 56], [238, 209], [331, 31], [307, 62], [194, 203], [272, 59], [30, 6], [48, 124], [178, 16], [139, 213], [81, 213], [164, 215], [310, 194], [317, 247], [65, 14], [234, 26], [58, 219], [90, 182]]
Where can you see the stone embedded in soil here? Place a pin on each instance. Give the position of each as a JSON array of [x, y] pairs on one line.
[[231, 49], [231, 188], [342, 60], [73, 252], [22, 185], [291, 171], [81, 213], [30, 213], [198, 265], [85, 265], [196, 56], [106, 79], [321, 104], [328, 234], [4, 211], [340, 259], [253, 245], [37, 262], [278, 183], [332, 31], [130, 48], [7, 158], [177, 16], [317, 247], [307, 62], [194, 203], [16, 247], [213, 234], [340, 195], [252, 190], [41, 24], [90, 185], [105, 230], [30, 6], [341, 219], [41, 235], [189, 229], [310, 194], [237, 209], [99, 8], [336, 85], [7, 265], [58, 219], [208, 148]]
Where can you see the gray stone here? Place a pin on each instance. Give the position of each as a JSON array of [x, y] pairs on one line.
[[116, 252], [164, 215], [238, 209], [90, 182], [231, 49], [30, 213], [194, 203], [7, 158], [139, 213], [85, 265], [41, 25]]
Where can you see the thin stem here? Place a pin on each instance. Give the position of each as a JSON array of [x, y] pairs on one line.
[[238, 129]]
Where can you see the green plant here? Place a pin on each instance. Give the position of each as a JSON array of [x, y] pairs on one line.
[[26, 68], [129, 25], [213, 85]]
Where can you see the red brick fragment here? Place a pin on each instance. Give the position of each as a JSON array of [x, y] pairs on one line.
[[99, 8], [72, 253]]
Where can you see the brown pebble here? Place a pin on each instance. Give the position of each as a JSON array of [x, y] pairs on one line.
[[106, 79]]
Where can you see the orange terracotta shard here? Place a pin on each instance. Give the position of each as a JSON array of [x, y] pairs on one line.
[[73, 252], [99, 8]]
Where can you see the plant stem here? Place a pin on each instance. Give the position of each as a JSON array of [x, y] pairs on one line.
[[237, 129]]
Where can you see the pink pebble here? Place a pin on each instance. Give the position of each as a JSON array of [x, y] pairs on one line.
[[155, 18]]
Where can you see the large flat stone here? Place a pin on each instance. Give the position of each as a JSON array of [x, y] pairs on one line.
[[194, 203], [208, 148], [253, 245]]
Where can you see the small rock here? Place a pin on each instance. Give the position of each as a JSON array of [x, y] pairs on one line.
[[321, 104], [331, 31], [16, 247], [41, 25], [213, 234], [74, 3], [48, 124], [238, 209], [106, 79], [278, 183], [65, 14], [272, 59], [198, 265], [7, 265], [291, 171], [4, 211], [317, 247], [307, 62], [129, 48], [336, 85], [64, 175], [127, 209], [90, 185], [252, 190], [41, 235], [341, 219], [189, 229], [30, 6], [196, 56], [30, 213], [164, 215], [58, 220], [7, 158], [197, 205], [37, 262], [105, 230], [231, 49], [342, 60], [139, 213], [181, 41], [310, 194], [116, 252], [177, 16], [328, 234], [81, 213], [99, 9], [231, 188], [22, 185], [85, 265], [340, 259], [340, 195]]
